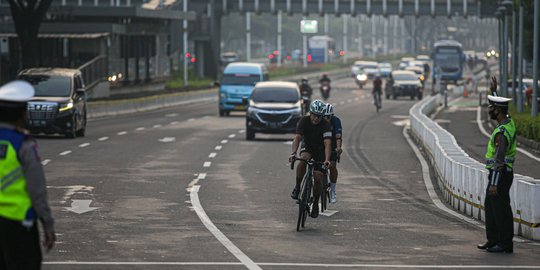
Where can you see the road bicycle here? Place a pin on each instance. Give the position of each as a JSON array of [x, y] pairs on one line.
[[377, 100], [305, 197]]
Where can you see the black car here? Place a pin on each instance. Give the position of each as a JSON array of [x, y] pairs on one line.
[[59, 103], [274, 107], [403, 83]]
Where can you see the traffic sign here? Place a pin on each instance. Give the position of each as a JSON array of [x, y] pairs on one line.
[[308, 26]]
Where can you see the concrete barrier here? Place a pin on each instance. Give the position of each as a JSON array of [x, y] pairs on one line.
[[463, 180]]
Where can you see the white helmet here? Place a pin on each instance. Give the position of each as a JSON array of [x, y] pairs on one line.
[[328, 110]]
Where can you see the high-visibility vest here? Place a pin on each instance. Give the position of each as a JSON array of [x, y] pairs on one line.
[[509, 131], [15, 203]]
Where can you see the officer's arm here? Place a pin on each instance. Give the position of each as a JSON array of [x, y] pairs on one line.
[[500, 150], [36, 183]]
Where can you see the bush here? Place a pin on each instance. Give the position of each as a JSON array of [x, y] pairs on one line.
[[526, 125], [177, 81]]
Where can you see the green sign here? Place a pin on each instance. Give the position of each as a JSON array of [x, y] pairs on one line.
[[308, 26]]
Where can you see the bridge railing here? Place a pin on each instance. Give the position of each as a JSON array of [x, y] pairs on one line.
[[94, 71], [463, 180]]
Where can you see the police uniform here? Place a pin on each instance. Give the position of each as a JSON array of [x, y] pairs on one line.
[[500, 157], [23, 193]]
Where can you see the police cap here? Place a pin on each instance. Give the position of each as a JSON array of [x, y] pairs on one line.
[[16, 94], [498, 101]]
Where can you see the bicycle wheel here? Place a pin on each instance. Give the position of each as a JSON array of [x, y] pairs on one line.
[[324, 194], [302, 204], [306, 192]]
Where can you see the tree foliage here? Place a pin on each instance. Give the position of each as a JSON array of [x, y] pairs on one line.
[[27, 16]]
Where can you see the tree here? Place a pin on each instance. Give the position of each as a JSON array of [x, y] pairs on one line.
[[27, 16]]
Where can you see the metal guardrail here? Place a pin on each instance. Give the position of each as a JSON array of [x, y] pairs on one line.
[[94, 71], [463, 180]]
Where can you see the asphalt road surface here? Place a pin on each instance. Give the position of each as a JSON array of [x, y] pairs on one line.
[[181, 188]]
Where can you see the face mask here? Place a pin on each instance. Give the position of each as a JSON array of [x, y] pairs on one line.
[[493, 113]]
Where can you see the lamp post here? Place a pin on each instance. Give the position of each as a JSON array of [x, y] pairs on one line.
[[504, 52], [520, 61], [498, 14], [509, 5]]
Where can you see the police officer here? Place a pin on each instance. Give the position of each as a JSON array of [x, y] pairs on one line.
[[23, 193], [500, 156]]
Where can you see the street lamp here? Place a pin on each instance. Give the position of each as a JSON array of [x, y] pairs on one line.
[[508, 10]]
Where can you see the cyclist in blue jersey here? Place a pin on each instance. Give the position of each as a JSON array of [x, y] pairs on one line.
[[337, 132]]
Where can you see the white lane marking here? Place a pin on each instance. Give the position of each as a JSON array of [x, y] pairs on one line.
[[389, 200], [288, 143], [224, 141], [218, 147], [45, 162], [207, 164], [139, 128], [65, 153], [242, 131], [483, 130], [201, 176], [319, 265], [103, 139], [173, 123], [400, 116], [121, 133], [84, 145], [429, 186], [157, 126], [206, 116], [232, 136], [191, 119], [243, 258], [167, 139], [342, 102], [171, 115], [212, 155], [400, 123]]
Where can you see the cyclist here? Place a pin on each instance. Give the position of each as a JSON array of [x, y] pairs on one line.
[[337, 132], [316, 133], [305, 91], [377, 91]]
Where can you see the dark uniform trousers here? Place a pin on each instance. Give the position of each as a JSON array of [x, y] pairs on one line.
[[499, 218], [19, 246]]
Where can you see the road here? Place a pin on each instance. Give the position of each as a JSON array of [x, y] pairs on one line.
[[181, 188]]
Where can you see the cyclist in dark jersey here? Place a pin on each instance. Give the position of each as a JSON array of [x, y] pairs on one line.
[[337, 132], [316, 134]]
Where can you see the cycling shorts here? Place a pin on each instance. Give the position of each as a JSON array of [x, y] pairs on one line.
[[317, 156]]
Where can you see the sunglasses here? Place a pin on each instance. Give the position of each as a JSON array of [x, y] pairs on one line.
[[318, 116]]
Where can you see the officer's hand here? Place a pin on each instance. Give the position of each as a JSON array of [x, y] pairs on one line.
[[50, 238], [493, 86], [492, 190]]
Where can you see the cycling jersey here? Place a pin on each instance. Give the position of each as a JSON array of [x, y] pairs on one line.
[[335, 124], [314, 136]]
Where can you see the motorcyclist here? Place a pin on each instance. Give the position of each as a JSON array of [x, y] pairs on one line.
[[325, 81], [306, 91]]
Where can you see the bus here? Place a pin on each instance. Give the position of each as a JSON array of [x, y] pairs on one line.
[[448, 59], [317, 46]]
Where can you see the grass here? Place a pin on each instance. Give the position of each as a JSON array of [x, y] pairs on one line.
[[526, 125], [177, 81]]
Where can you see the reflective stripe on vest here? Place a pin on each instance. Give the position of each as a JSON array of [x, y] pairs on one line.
[[15, 202], [509, 131]]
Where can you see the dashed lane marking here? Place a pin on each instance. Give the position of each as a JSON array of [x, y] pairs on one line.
[[173, 123], [157, 126], [103, 139], [45, 162], [191, 119], [121, 133], [224, 141], [65, 153], [84, 145], [207, 164], [218, 147], [232, 136], [139, 129], [212, 155]]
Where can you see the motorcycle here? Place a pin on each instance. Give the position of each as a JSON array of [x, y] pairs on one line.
[[306, 101], [325, 90]]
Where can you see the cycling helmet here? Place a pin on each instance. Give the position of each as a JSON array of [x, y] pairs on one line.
[[317, 107], [304, 80], [328, 110]]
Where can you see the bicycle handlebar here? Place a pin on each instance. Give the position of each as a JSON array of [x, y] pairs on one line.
[[309, 162]]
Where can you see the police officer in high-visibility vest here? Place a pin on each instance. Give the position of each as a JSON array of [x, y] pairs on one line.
[[500, 157], [23, 192]]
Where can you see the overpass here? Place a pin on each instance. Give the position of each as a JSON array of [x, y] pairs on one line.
[[205, 31]]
